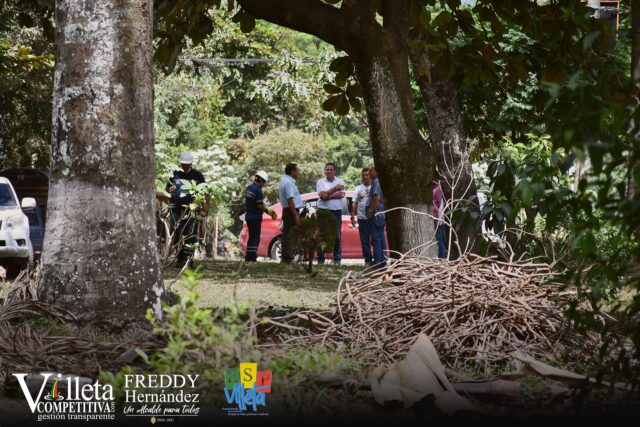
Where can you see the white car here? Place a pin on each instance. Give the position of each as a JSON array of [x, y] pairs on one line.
[[16, 251]]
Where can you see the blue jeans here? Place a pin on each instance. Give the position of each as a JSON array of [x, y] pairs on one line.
[[254, 226], [337, 248], [442, 246], [376, 228], [365, 240]]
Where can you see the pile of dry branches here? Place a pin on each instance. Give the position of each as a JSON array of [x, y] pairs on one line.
[[27, 348], [475, 310]]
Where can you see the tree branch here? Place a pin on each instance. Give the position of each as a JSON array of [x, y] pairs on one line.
[[309, 16]]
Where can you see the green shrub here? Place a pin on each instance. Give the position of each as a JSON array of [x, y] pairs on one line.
[[319, 230], [197, 340]]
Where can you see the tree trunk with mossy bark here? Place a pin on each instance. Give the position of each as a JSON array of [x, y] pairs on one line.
[[403, 159], [451, 149], [100, 259], [634, 187]]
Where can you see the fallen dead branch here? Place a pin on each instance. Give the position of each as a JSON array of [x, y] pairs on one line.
[[24, 347], [476, 310]]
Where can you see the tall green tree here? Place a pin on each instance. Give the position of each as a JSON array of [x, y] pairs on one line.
[[26, 84]]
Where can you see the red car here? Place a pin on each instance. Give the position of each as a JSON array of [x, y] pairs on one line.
[[270, 233]]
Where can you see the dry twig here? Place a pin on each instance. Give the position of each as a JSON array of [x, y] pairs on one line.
[[475, 310]]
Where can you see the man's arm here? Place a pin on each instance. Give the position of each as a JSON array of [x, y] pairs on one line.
[[170, 187], [374, 204], [324, 195], [354, 210], [337, 192], [294, 211], [264, 208]]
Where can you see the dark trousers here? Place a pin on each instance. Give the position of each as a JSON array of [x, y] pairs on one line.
[[337, 248], [441, 230], [288, 222], [186, 235], [365, 240], [254, 226], [376, 228]]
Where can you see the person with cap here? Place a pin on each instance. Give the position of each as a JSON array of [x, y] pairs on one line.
[[181, 218], [254, 204]]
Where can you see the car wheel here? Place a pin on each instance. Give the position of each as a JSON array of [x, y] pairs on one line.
[[276, 250]]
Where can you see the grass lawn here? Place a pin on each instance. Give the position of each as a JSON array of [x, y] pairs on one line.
[[264, 283]]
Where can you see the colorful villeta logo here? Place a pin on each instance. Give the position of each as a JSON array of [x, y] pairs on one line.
[[247, 387], [54, 394]]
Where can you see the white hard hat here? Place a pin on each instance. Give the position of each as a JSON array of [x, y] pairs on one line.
[[186, 158], [263, 175]]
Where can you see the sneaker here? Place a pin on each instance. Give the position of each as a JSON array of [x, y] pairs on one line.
[[335, 263]]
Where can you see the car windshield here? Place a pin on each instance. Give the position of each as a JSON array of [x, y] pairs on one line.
[[7, 200]]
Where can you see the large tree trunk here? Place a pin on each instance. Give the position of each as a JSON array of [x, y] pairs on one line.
[[634, 189], [100, 258], [404, 160], [450, 146]]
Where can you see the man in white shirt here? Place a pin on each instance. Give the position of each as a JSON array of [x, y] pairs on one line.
[[359, 215], [331, 191]]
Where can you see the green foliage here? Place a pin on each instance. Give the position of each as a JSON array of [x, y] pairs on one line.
[[204, 341], [222, 180], [26, 84], [345, 91], [259, 94], [289, 92], [529, 177], [501, 55], [319, 230], [351, 153], [302, 365], [568, 34], [273, 150], [187, 111], [282, 90], [196, 340]]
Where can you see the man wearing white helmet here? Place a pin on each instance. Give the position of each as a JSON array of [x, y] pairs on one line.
[[254, 203], [181, 198]]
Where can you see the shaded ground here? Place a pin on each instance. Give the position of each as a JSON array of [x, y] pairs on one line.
[[265, 283]]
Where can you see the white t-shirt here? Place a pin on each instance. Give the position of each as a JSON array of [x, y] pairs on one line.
[[324, 185], [362, 194]]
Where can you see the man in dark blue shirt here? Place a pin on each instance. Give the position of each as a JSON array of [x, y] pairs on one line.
[[186, 232], [376, 220], [254, 203]]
